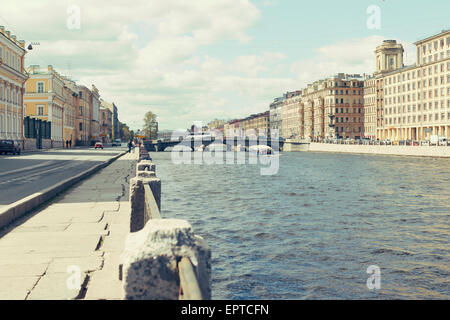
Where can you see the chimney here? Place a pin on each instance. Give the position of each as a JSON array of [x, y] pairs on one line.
[[50, 68]]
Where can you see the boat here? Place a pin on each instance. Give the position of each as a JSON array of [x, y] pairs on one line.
[[261, 150], [296, 145]]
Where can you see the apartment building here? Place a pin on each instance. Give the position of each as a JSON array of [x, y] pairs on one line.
[[275, 115], [12, 79], [94, 125], [83, 121], [106, 119], [333, 107], [70, 110], [291, 117], [416, 100], [258, 123], [44, 100]]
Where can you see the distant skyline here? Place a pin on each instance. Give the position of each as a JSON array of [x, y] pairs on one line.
[[201, 60]]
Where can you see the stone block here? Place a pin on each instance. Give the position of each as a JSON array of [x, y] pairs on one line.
[[138, 217], [146, 164], [150, 259]]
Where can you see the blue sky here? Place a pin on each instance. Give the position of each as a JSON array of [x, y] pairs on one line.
[[200, 60]]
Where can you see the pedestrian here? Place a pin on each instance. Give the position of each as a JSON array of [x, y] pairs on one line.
[[67, 144], [130, 144], [70, 143]]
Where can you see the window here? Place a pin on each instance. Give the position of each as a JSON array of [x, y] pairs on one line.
[[81, 126], [40, 87], [40, 110]]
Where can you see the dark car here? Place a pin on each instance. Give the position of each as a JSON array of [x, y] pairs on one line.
[[9, 146]]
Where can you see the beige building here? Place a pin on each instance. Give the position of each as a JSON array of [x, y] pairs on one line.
[[106, 118], [12, 79], [216, 123], [333, 107], [292, 116], [45, 100], [83, 116], [257, 122], [373, 106], [416, 100]]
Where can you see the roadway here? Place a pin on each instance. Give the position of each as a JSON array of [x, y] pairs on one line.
[[21, 176]]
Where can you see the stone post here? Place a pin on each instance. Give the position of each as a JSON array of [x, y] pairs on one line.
[[151, 256], [143, 154], [139, 217], [146, 165]]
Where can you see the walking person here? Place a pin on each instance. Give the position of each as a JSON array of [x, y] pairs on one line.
[[130, 144]]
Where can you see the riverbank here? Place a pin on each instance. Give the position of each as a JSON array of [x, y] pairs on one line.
[[418, 151]]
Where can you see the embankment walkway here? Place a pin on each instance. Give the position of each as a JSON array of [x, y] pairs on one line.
[[77, 239]]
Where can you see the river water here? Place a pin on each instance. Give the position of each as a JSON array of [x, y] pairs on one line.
[[312, 230]]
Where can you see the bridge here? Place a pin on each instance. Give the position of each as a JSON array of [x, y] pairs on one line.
[[193, 142]]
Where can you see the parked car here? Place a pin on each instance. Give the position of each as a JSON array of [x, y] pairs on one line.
[[98, 145], [443, 141], [117, 143], [415, 143], [425, 142], [9, 146], [386, 142]]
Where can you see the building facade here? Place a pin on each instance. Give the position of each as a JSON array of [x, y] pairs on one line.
[[275, 115], [416, 98], [94, 102], [115, 121], [215, 124], [83, 120], [106, 118], [70, 110], [291, 118], [257, 122], [12, 80], [333, 108], [45, 100]]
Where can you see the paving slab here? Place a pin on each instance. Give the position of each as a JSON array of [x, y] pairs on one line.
[[57, 286], [84, 228], [22, 270], [17, 288]]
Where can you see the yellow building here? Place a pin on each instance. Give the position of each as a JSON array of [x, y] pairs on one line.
[[292, 115], [12, 79], [106, 124], [70, 110], [83, 121], [44, 100], [259, 123]]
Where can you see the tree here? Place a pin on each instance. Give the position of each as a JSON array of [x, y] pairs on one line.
[[150, 126], [125, 133]]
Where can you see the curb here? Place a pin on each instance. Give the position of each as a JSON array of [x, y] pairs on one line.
[[20, 208]]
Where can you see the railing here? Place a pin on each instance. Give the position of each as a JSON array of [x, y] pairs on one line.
[[189, 285], [151, 207]]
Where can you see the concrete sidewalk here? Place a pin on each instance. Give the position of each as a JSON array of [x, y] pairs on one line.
[[76, 239]]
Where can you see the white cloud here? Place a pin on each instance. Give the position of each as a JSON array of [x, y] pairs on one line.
[[148, 55], [351, 56], [253, 65]]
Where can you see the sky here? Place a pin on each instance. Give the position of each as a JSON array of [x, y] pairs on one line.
[[195, 61]]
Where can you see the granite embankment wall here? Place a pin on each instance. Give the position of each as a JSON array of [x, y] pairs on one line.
[[419, 151]]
